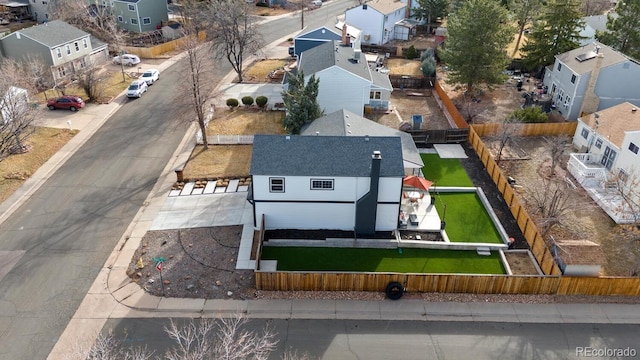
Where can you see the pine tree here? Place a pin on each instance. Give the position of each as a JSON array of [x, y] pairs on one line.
[[556, 31], [300, 101], [475, 50], [623, 32], [430, 10]]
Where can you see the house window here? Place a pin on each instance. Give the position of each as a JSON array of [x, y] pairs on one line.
[[58, 52], [276, 185], [585, 133], [61, 72], [84, 43], [599, 143], [77, 46], [321, 184], [68, 48], [608, 158], [134, 21], [374, 95], [559, 66], [146, 21], [634, 148], [120, 19], [573, 79], [567, 101], [132, 7], [44, 3]]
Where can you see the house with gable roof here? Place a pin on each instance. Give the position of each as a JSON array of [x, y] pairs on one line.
[[609, 145], [63, 47], [346, 80], [378, 20], [140, 15], [349, 183], [591, 78], [346, 123]]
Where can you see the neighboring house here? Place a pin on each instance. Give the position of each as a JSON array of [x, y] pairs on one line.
[[41, 9], [592, 78], [140, 15], [346, 80], [310, 39], [377, 19], [350, 183], [609, 141], [591, 25], [345, 123], [14, 10], [65, 48]]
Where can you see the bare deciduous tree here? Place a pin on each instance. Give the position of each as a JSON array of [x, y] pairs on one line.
[[552, 203], [93, 17], [234, 33], [16, 113], [507, 131], [557, 148], [91, 80]]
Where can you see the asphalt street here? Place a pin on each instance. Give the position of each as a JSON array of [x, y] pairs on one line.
[[63, 234], [407, 340]]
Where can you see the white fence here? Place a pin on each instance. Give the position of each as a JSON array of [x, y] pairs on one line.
[[226, 139]]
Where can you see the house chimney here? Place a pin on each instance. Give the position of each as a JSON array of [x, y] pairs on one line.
[[591, 101], [367, 205], [344, 34]]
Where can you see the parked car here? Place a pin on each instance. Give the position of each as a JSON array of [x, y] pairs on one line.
[[127, 59], [150, 76], [137, 88], [72, 103]]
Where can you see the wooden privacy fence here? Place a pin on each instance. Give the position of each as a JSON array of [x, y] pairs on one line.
[[545, 129], [449, 136], [449, 107], [448, 283], [411, 82], [155, 51], [529, 229]]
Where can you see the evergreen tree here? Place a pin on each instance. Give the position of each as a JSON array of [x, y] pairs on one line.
[[475, 50], [623, 32], [300, 101], [556, 31], [430, 10]]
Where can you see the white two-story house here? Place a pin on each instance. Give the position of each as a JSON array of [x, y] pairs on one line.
[[63, 47], [609, 157], [591, 78], [349, 183], [377, 20]]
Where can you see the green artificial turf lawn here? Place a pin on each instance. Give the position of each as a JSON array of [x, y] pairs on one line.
[[411, 260], [466, 218], [444, 172]]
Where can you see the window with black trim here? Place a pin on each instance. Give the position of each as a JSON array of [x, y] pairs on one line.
[[132, 7], [375, 95], [573, 79], [276, 185], [321, 184], [120, 19], [77, 46], [146, 21], [634, 148], [585, 133], [559, 66], [599, 143], [68, 48], [134, 21]]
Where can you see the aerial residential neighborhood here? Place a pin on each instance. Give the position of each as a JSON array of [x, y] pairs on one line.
[[297, 178]]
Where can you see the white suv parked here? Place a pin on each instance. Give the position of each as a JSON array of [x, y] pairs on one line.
[[137, 88]]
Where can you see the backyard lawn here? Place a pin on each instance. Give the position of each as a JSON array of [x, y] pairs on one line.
[[383, 260], [444, 172], [466, 218]]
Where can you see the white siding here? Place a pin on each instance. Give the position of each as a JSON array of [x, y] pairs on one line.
[[627, 160], [387, 217], [369, 21], [340, 89], [390, 24], [307, 216]]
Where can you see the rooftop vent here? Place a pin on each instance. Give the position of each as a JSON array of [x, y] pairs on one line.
[[586, 56], [288, 137], [633, 110]]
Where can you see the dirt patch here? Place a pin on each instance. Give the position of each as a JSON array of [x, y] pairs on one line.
[[521, 263], [406, 67], [268, 70], [587, 221], [408, 103]]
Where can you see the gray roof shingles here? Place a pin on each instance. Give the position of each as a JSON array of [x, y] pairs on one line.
[[344, 156], [345, 123], [325, 56], [53, 33]]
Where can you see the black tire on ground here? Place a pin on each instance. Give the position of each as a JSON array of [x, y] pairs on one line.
[[394, 290], [51, 107], [73, 108]]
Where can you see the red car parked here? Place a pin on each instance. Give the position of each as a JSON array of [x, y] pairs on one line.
[[72, 103]]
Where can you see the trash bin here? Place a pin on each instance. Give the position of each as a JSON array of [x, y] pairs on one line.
[[416, 122]]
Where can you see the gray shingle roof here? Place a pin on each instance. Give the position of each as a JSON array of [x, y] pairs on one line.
[[345, 123], [347, 156], [332, 53], [611, 57], [53, 33]]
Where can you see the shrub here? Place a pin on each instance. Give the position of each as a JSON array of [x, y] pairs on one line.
[[247, 100], [412, 53], [428, 67], [262, 101], [232, 103], [531, 114], [428, 53]]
